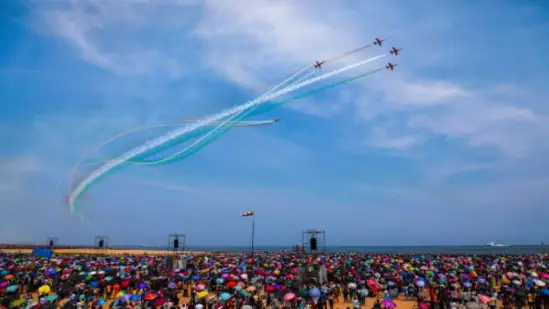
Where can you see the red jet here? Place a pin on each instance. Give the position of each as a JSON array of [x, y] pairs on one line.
[[390, 66], [318, 65], [395, 51], [378, 41]]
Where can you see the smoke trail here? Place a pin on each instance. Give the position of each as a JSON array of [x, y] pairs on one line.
[[248, 123], [289, 80], [187, 151], [179, 132], [176, 133], [356, 50]]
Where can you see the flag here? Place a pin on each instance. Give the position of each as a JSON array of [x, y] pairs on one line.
[[247, 214]]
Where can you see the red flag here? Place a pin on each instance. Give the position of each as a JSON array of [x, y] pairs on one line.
[[247, 214]]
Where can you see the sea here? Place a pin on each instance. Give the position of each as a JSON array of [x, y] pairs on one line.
[[457, 250]]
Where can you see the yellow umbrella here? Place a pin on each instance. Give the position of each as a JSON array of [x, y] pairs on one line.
[[202, 294], [18, 302], [43, 290]]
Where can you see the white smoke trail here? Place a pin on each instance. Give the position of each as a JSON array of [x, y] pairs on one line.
[[178, 132], [75, 168]]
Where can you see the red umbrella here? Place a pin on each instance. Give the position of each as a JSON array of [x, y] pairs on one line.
[[158, 302], [231, 284], [150, 296]]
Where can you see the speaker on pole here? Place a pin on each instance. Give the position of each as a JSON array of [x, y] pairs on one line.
[[176, 243], [313, 244], [313, 240]]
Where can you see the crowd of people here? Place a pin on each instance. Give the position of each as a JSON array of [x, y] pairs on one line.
[[275, 280]]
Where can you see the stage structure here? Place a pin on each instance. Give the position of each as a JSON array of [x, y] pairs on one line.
[[52, 241], [102, 242], [314, 241], [176, 243]]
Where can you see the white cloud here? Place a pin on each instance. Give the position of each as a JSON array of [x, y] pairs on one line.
[[113, 34], [244, 38], [382, 137]]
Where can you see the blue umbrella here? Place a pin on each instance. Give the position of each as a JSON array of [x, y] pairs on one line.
[[225, 296], [135, 297], [12, 288], [314, 292], [51, 297], [101, 302]]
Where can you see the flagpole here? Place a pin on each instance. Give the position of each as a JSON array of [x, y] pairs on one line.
[[253, 233]]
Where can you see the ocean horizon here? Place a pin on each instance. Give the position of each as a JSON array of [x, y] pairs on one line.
[[433, 249], [464, 249]]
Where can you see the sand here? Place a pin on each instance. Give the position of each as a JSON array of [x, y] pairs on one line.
[[114, 252]]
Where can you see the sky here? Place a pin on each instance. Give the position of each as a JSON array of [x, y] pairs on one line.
[[450, 148]]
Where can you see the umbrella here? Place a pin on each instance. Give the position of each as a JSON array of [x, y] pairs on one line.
[[387, 303], [251, 288], [158, 302], [101, 302], [45, 289], [484, 299], [150, 296], [12, 288], [17, 302], [225, 296], [202, 294], [289, 296], [135, 297], [51, 297]]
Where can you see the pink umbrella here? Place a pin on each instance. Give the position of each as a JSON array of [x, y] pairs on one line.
[[289, 296], [387, 303], [484, 299]]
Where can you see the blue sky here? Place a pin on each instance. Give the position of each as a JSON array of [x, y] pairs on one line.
[[448, 149]]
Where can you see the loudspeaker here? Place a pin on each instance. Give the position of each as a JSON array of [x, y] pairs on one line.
[[101, 243], [51, 243], [313, 243], [176, 243]]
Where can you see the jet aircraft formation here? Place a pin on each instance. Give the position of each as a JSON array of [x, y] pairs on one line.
[[377, 41], [204, 131]]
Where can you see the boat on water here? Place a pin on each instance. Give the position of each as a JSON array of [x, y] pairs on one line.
[[493, 244]]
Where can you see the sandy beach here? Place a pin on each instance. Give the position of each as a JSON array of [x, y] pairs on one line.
[[111, 252]]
